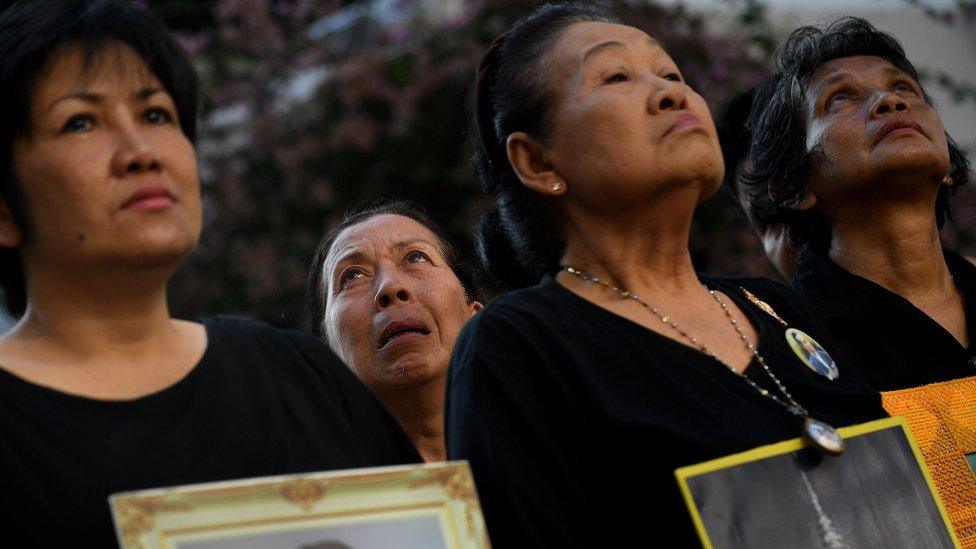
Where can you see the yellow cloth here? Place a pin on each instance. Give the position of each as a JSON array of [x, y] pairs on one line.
[[942, 416]]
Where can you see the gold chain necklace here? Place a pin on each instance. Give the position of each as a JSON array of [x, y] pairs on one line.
[[817, 433]]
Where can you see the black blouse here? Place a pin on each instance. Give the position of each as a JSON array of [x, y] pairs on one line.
[[889, 342], [260, 402], [574, 418]]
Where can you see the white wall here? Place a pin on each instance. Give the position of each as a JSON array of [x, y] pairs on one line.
[[928, 43]]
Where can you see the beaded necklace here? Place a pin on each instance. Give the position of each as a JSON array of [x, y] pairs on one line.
[[817, 433]]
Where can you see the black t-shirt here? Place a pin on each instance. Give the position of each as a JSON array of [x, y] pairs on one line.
[[889, 342], [261, 401], [574, 418]]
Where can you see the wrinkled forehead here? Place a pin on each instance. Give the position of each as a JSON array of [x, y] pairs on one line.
[[581, 41], [860, 66], [378, 234]]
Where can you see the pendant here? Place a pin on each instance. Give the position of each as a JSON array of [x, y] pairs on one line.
[[763, 306], [823, 437], [812, 354]]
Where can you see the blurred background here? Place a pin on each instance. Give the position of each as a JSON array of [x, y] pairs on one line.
[[315, 105]]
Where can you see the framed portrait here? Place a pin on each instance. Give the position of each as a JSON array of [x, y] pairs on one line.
[[426, 506], [942, 417], [878, 493]]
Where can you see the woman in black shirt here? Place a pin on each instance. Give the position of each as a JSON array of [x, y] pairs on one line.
[[577, 398], [101, 390], [863, 184]]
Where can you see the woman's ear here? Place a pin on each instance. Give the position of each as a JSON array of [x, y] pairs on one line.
[[529, 162], [10, 235]]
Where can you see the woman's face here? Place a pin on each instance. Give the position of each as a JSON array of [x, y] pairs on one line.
[[108, 177], [871, 123], [626, 125], [393, 306]]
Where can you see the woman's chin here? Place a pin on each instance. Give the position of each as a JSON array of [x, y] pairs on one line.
[[410, 371], [153, 254], [918, 164]]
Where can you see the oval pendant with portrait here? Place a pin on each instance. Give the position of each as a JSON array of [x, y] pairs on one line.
[[812, 353]]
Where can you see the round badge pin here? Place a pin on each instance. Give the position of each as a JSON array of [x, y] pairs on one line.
[[812, 353]]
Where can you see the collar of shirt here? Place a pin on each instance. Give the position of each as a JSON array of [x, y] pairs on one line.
[[832, 291]]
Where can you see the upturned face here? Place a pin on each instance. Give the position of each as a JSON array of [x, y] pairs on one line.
[[626, 125], [873, 127], [107, 175], [393, 305]]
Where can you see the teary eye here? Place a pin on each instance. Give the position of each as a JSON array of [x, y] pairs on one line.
[[349, 275], [417, 256]]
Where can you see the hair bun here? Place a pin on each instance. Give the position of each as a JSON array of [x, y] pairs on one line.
[[498, 255]]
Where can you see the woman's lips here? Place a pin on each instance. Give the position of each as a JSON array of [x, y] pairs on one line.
[[682, 121], [396, 333], [150, 198], [898, 126], [401, 338]]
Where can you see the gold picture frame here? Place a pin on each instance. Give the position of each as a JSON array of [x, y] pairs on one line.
[[355, 509], [878, 493]]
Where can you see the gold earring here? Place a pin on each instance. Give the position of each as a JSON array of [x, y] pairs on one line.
[[947, 180], [557, 186]]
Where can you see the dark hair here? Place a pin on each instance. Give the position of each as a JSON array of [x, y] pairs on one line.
[[314, 305], [517, 239], [735, 136], [32, 32], [778, 151]]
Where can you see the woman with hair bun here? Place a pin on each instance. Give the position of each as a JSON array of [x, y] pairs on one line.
[[576, 398]]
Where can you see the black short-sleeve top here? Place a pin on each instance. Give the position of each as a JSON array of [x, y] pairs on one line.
[[890, 343], [261, 401], [574, 418]]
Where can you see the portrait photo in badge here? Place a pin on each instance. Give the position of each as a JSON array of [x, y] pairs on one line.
[[812, 354]]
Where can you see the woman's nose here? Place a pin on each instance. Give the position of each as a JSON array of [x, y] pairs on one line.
[[135, 154], [668, 98], [888, 103], [391, 290]]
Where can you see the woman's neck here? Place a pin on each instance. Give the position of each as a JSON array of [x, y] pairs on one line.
[[899, 250], [644, 253], [420, 411], [96, 314], [105, 336]]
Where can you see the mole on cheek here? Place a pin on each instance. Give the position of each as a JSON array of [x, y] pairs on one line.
[[81, 237]]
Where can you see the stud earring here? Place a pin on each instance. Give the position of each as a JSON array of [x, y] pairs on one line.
[[557, 186], [947, 180]]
